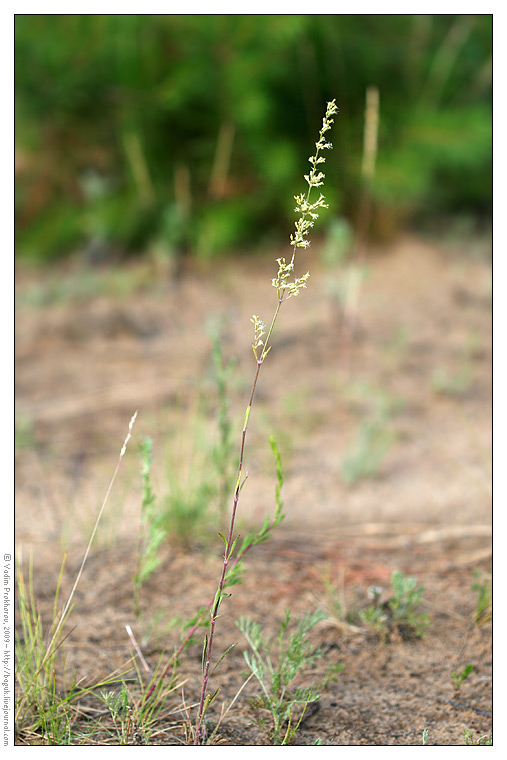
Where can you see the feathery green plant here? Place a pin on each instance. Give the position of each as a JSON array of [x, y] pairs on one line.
[[134, 718], [121, 713], [276, 664], [399, 614], [374, 436], [201, 619], [368, 451], [200, 469], [287, 284], [152, 532]]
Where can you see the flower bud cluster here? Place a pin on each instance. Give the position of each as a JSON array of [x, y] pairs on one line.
[[286, 284], [286, 289], [259, 331], [308, 211]]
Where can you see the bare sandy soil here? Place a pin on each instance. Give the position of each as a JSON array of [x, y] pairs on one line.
[[418, 363]]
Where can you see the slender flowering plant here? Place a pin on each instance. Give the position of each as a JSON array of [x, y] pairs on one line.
[[287, 285]]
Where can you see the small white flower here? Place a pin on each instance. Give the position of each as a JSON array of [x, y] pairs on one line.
[[308, 211]]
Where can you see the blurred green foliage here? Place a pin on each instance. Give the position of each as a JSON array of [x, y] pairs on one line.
[[187, 132]]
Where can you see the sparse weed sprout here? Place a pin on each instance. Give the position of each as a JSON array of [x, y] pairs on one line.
[[223, 449], [37, 705], [120, 712], [200, 473], [404, 605], [41, 711], [152, 533], [365, 457], [483, 611], [482, 741], [399, 615], [277, 664], [458, 678], [375, 434]]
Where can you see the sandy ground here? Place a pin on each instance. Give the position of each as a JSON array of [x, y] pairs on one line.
[[417, 365]]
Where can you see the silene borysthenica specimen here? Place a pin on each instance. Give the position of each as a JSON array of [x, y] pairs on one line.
[[287, 284]]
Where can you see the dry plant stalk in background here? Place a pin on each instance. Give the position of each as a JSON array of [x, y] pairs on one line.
[[356, 269]]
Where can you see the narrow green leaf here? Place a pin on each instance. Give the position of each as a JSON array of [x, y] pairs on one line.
[[233, 545], [216, 604], [209, 700], [204, 652], [222, 657]]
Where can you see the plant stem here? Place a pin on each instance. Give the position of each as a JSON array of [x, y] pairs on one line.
[[194, 628], [227, 553], [229, 544], [284, 290]]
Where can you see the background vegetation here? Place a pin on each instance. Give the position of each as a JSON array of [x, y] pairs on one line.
[[173, 134]]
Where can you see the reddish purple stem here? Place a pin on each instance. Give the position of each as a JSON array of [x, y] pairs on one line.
[[228, 549]]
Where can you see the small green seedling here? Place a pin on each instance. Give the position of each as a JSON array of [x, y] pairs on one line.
[[485, 740], [483, 611], [404, 605], [458, 678], [126, 729], [120, 712]]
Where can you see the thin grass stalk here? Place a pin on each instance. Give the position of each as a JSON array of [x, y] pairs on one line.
[[53, 644], [94, 531]]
